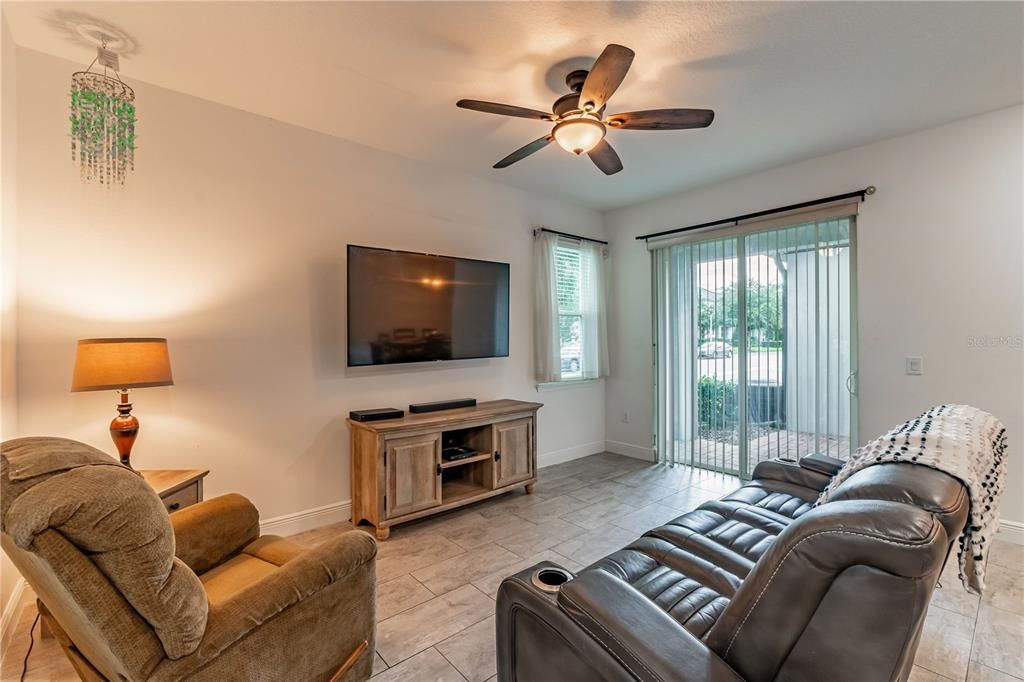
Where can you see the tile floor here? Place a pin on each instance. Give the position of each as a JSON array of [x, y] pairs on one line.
[[437, 578]]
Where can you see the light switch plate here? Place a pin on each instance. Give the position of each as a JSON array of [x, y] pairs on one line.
[[915, 366]]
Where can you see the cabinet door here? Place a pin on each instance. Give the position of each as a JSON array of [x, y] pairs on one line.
[[513, 452], [413, 481]]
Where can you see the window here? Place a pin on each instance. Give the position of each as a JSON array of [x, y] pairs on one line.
[[755, 342], [568, 285], [569, 328]]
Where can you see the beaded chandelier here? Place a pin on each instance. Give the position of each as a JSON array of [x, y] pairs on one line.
[[102, 121]]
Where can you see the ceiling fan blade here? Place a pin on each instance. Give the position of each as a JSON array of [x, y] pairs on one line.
[[606, 76], [503, 109], [605, 158], [523, 152], [662, 119]]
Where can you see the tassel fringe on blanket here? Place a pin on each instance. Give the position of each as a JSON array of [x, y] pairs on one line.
[[964, 442]]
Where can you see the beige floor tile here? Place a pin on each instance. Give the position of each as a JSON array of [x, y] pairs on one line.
[[423, 626], [465, 517], [553, 508], [1004, 589], [998, 641], [659, 474], [428, 666], [472, 651], [395, 596], [378, 664], [488, 584], [515, 502], [717, 483], [599, 514], [689, 499], [401, 555], [982, 673], [643, 495], [485, 531], [318, 535], [646, 518], [590, 546], [1007, 554], [461, 570], [945, 646], [919, 674], [602, 491], [539, 537], [553, 487], [950, 593]]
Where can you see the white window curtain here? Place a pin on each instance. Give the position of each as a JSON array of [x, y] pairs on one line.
[[570, 325]]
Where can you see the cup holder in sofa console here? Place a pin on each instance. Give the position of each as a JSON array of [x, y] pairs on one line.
[[550, 578]]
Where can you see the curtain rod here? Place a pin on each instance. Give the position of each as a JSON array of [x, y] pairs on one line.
[[572, 236], [867, 191]]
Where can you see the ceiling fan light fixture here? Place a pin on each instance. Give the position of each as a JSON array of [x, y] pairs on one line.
[[579, 135]]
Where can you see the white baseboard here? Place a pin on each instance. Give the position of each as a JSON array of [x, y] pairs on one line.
[[547, 459], [629, 450], [1012, 531], [307, 519], [11, 615]]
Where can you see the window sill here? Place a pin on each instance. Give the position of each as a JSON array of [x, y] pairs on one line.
[[566, 384]]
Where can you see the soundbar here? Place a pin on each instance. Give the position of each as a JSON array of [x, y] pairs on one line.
[[375, 415], [419, 408]]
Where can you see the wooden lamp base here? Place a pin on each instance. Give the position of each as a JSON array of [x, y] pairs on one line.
[[123, 430]]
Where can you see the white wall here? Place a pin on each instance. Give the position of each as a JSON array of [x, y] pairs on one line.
[[9, 577], [229, 239], [940, 255]]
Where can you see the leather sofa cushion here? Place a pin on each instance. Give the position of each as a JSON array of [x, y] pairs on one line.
[[691, 590], [692, 566]]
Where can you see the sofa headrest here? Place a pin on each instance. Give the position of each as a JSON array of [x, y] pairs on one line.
[[921, 486], [112, 516]]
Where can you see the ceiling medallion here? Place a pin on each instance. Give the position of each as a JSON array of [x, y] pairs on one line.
[[102, 121]]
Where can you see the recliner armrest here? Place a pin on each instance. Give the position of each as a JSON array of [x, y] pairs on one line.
[[209, 533], [646, 640], [823, 464], [346, 558]]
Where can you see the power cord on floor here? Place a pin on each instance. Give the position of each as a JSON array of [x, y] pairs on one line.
[[31, 643]]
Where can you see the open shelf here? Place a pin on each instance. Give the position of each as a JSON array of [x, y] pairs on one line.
[[460, 489], [467, 460]]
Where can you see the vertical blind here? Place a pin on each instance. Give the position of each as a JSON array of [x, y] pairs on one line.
[[755, 346], [569, 289]]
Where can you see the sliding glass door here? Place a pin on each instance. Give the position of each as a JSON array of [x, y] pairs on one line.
[[755, 346]]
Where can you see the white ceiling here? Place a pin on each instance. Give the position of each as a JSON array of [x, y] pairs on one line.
[[788, 80]]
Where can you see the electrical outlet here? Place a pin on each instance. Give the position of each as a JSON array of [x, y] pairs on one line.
[[914, 366]]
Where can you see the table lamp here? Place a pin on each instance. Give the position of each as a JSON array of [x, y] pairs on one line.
[[120, 365]]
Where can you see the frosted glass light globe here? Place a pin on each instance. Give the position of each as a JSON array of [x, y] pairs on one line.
[[579, 135]]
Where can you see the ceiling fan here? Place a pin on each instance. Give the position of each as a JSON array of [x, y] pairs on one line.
[[580, 122]]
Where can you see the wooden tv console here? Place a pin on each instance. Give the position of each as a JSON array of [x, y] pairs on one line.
[[398, 474]]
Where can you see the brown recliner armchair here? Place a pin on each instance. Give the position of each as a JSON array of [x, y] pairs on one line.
[[200, 595]]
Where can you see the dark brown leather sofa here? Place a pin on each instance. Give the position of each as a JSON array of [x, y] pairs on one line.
[[759, 585]]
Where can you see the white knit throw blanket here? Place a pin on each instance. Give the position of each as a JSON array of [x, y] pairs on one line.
[[964, 442]]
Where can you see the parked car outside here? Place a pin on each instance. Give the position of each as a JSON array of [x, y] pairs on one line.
[[715, 349], [571, 359]]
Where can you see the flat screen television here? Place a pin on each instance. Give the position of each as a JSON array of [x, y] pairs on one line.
[[419, 307]]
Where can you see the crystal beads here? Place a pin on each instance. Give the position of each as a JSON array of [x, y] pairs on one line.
[[102, 127]]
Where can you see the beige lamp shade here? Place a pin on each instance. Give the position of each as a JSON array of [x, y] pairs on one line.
[[116, 364]]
